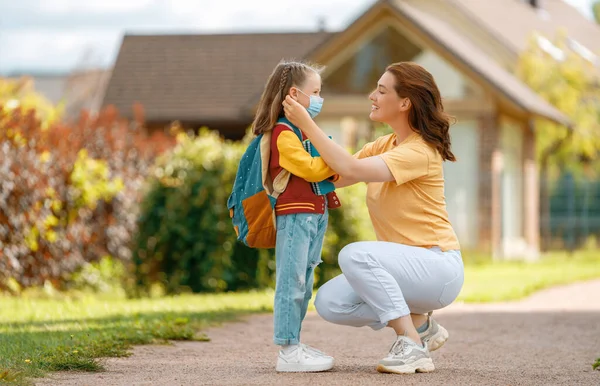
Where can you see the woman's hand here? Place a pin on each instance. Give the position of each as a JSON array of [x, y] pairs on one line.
[[296, 113]]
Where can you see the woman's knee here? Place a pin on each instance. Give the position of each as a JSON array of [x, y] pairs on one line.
[[351, 256], [323, 303], [329, 296]]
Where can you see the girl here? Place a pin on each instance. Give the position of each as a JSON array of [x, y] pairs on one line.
[[301, 214]]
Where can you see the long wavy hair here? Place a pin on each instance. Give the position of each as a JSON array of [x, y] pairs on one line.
[[285, 75], [426, 115]]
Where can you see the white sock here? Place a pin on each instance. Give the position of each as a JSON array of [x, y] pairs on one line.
[[289, 348]]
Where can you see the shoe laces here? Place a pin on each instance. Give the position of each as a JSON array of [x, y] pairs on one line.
[[306, 353], [312, 350], [399, 347]]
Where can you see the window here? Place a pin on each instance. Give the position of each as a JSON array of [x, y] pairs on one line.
[[360, 73]]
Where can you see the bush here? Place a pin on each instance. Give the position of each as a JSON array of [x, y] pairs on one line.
[[68, 194], [186, 240]]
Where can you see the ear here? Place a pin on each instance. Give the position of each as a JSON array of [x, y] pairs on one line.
[[293, 93], [405, 104]]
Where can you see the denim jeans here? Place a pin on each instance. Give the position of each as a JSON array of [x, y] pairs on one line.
[[297, 253]]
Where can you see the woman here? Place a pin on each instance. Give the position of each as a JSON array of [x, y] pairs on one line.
[[415, 267]]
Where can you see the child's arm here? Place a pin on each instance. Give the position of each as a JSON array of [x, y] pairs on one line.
[[296, 160]]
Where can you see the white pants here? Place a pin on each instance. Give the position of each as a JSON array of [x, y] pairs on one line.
[[383, 281]]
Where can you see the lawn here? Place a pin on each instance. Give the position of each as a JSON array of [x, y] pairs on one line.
[[69, 333], [503, 281], [38, 335]]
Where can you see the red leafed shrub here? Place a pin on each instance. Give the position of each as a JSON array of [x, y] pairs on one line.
[[69, 194]]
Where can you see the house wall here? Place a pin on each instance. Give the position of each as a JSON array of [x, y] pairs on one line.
[[512, 138], [531, 193], [462, 181], [489, 183]]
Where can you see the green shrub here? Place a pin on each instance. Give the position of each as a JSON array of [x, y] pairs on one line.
[[186, 240]]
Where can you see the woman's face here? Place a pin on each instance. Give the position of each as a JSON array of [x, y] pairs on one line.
[[311, 86], [387, 105]]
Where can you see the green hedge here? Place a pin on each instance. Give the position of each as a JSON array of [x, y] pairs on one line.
[[186, 241]]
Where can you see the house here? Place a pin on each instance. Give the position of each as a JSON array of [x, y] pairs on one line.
[[470, 46]]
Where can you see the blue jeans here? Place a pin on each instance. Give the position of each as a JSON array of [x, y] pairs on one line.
[[297, 253]]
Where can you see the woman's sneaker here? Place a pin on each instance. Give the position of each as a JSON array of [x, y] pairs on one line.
[[303, 360], [435, 336], [406, 357]]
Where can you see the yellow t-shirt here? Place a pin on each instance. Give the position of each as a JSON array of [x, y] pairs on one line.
[[412, 209]]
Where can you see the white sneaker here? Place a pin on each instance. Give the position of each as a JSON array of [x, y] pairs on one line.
[[302, 360], [313, 351], [406, 357], [435, 336]]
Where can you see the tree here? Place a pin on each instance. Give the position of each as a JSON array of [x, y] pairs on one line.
[[571, 85], [596, 11]]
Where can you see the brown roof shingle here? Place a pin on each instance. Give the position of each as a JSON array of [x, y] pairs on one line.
[[201, 77]]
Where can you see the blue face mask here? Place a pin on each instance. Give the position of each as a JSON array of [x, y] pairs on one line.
[[316, 103]]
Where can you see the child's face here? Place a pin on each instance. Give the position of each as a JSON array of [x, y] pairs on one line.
[[311, 86]]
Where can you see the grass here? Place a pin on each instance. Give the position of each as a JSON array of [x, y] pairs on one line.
[[511, 280], [39, 335], [69, 333]]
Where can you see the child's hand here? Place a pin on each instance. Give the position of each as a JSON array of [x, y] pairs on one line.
[[296, 113]]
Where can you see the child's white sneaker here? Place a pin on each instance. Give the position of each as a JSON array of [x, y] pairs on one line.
[[303, 360], [313, 351]]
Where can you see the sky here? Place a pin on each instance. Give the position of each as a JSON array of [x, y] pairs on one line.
[[62, 35]]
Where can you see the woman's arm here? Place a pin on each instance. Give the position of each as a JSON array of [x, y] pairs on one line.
[[371, 169], [344, 182]]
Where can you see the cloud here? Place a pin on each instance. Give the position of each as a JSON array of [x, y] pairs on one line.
[[46, 50], [101, 6]]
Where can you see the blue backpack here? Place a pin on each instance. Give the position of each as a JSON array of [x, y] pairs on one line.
[[252, 202]]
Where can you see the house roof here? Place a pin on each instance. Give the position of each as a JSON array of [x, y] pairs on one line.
[[503, 81], [513, 21], [213, 77]]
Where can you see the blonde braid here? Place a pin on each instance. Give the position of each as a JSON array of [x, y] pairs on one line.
[[284, 76]]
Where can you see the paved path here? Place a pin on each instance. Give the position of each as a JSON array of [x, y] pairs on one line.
[[551, 338]]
